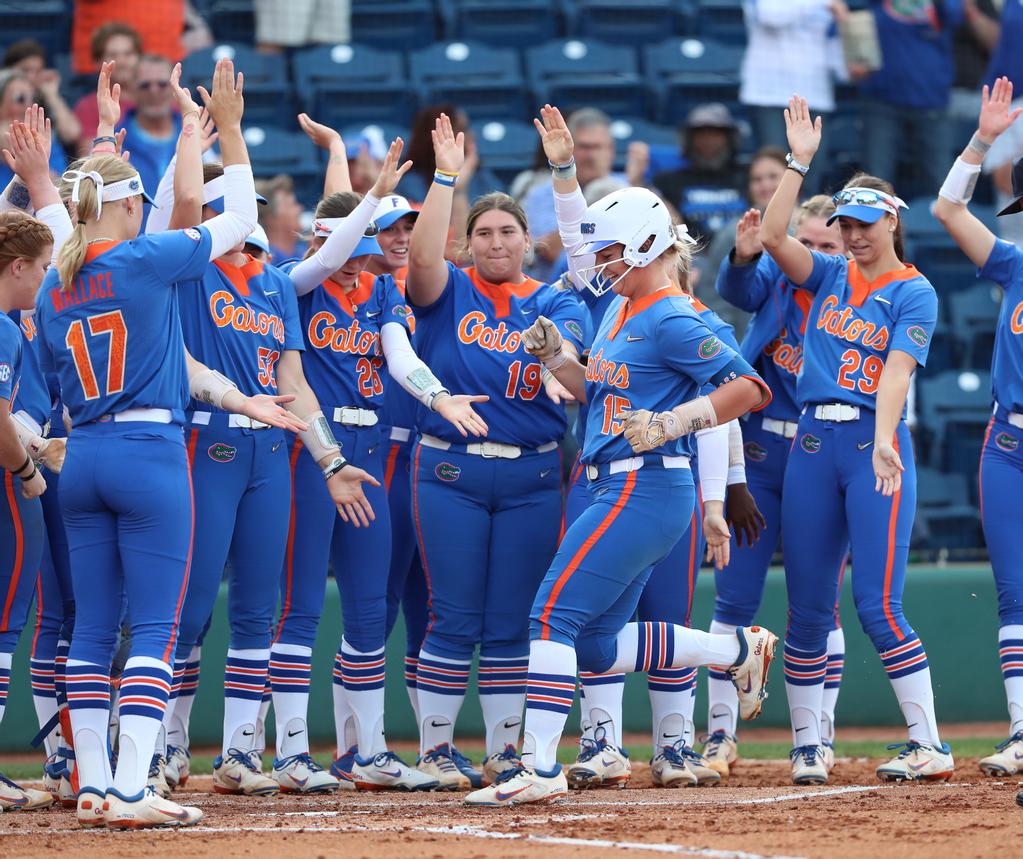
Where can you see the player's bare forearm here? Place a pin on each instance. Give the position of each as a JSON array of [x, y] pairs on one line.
[[188, 175], [892, 390], [572, 374], [337, 178], [736, 398]]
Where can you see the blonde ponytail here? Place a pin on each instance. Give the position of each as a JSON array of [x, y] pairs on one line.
[[71, 256]]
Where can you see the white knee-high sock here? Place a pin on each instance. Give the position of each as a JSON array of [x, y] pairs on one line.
[[601, 705], [290, 671], [411, 668], [177, 732], [910, 677], [1010, 654], [345, 737], [363, 675], [832, 683], [6, 659], [671, 705], [804, 686], [440, 685], [502, 688], [550, 690], [642, 646], [244, 681], [145, 688], [44, 696], [88, 694], [722, 699]]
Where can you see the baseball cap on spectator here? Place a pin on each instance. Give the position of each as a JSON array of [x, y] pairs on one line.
[[711, 115], [372, 140], [390, 209], [259, 239], [1017, 190]]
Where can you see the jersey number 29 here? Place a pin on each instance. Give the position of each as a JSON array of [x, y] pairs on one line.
[[111, 324]]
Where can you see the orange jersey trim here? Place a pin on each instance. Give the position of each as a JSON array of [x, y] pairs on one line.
[[862, 288], [240, 275], [499, 294], [96, 248], [351, 299], [632, 308]]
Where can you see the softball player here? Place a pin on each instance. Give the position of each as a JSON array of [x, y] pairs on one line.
[[773, 344], [850, 478], [584, 604], [1001, 462], [474, 503], [354, 323]]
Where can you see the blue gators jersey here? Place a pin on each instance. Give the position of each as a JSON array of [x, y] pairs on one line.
[[855, 323], [1005, 266], [654, 353], [400, 408], [238, 320], [11, 355], [114, 338], [471, 337], [596, 305], [33, 395], [344, 359]]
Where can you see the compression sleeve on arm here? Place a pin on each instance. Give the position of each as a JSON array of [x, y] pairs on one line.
[[569, 210], [55, 216], [712, 459], [238, 219], [160, 214], [406, 367], [736, 457]]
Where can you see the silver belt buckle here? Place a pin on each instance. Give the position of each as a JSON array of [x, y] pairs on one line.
[[592, 472], [494, 450]]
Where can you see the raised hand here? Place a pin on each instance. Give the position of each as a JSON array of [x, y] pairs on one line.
[[888, 469], [448, 147], [994, 110], [108, 99], [747, 237], [557, 141], [181, 94], [37, 121], [346, 492], [804, 133], [322, 135], [390, 173], [27, 155], [226, 103], [457, 410], [208, 130]]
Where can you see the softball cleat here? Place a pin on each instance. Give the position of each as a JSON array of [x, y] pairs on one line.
[[599, 764], [386, 771], [749, 673], [1007, 759], [918, 762], [147, 810], [494, 765], [808, 765], [439, 764], [89, 808], [721, 752], [238, 773], [522, 785], [301, 774]]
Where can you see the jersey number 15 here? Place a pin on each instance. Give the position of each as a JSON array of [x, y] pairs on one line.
[[110, 324]]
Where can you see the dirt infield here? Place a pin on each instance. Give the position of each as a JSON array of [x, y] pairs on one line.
[[755, 815]]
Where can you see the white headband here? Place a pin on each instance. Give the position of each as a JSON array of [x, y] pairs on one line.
[[889, 202], [130, 187], [323, 227]]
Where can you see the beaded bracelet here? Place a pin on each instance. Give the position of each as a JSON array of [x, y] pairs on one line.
[[105, 139]]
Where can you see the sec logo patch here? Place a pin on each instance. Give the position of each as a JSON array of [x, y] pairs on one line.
[[755, 452], [709, 348], [810, 443], [193, 234], [1006, 441], [5, 372], [220, 452], [447, 472]]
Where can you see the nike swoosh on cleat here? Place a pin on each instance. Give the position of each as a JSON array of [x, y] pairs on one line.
[[177, 815], [606, 762], [749, 686], [301, 782], [918, 767], [395, 774], [504, 797], [234, 778]]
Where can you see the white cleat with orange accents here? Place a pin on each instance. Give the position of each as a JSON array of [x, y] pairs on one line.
[[918, 762], [749, 673], [147, 810], [521, 785]]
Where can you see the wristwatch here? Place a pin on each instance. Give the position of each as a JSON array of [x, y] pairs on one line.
[[792, 164]]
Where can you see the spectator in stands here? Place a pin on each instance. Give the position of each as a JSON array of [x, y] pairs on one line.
[[365, 158], [122, 45], [905, 102], [791, 47], [708, 190], [29, 58], [153, 124], [972, 44], [281, 218], [15, 97], [296, 23]]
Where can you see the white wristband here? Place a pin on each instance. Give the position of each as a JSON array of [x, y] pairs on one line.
[[29, 437], [209, 386], [960, 182], [319, 438], [556, 360]]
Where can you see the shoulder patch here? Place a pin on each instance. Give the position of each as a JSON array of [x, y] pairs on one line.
[[193, 234], [5, 372], [917, 335], [574, 328], [709, 348]]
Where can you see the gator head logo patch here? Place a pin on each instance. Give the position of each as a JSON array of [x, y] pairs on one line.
[[1006, 442], [810, 443], [917, 335], [709, 348], [755, 452], [220, 452], [402, 311], [447, 472], [574, 328]]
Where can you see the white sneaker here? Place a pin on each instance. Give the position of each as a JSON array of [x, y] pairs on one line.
[[599, 764], [808, 765], [495, 765], [301, 774], [721, 752], [53, 769], [668, 769], [178, 766], [89, 808], [918, 762], [157, 779], [828, 753], [1007, 759], [14, 797], [146, 811], [749, 673], [439, 765], [386, 771], [706, 775], [238, 773], [521, 785]]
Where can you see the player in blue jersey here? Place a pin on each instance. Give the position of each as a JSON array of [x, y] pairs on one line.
[[850, 478], [355, 323], [1001, 464], [651, 353], [109, 328], [488, 515], [752, 281]]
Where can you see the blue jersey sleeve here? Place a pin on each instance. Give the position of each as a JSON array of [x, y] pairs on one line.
[[1004, 265], [688, 346], [393, 307], [177, 254], [10, 358], [826, 269], [917, 316], [746, 286], [293, 338], [569, 314]]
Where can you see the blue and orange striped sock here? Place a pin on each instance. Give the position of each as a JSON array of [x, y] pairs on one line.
[[88, 699], [440, 686], [1010, 655], [5, 680], [642, 646], [363, 675], [832, 683], [411, 667], [550, 690], [144, 690], [910, 676], [804, 685], [245, 675], [502, 686]]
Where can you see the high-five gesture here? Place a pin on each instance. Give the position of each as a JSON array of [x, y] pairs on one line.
[[390, 172], [747, 237], [804, 133], [995, 116], [181, 94], [557, 141], [322, 135], [108, 101], [225, 103], [448, 147]]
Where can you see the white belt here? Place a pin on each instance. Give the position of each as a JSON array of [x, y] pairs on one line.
[[634, 463], [400, 434], [26, 420], [353, 417], [152, 416], [1014, 418], [786, 429], [837, 412], [233, 420], [489, 449]]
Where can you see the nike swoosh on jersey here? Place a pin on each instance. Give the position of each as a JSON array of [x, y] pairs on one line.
[[371, 315], [882, 300], [864, 446], [268, 292], [630, 339]]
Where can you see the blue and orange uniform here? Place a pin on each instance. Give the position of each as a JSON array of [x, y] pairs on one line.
[[113, 338], [829, 500], [238, 320], [487, 513]]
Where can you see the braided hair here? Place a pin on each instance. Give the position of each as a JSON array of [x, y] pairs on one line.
[[22, 237]]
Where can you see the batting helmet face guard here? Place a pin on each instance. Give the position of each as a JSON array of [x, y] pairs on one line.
[[636, 219]]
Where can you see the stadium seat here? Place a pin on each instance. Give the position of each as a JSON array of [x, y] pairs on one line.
[[919, 222], [973, 314], [274, 151], [394, 25], [379, 132], [574, 73], [507, 148], [664, 143], [347, 83], [935, 489], [638, 22], [689, 71], [46, 21], [233, 21], [268, 95], [954, 409], [951, 528], [946, 352], [505, 23], [483, 80], [722, 20]]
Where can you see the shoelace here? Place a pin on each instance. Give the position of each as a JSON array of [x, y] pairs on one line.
[[591, 748], [1015, 738], [154, 765], [243, 758], [178, 750], [907, 748], [442, 758], [8, 782], [675, 754], [304, 758], [712, 742], [807, 753], [382, 759], [461, 761], [509, 774]]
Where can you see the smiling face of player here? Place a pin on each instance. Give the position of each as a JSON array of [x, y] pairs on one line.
[[394, 242], [815, 235], [631, 283], [868, 243], [498, 245]]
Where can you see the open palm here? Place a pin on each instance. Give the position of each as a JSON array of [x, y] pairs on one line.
[[995, 115]]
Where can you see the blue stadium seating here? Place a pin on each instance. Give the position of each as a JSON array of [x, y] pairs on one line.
[[506, 147], [233, 21], [629, 22], [689, 71], [954, 408], [273, 151], [384, 132], [268, 94], [394, 24], [506, 23], [347, 83], [483, 80], [944, 521], [574, 73], [973, 311], [722, 20], [46, 21]]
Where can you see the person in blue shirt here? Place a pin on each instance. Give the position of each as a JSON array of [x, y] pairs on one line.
[[850, 479], [1001, 464]]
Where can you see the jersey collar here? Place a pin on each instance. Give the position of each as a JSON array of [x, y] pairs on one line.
[[500, 294], [862, 289], [96, 248], [349, 301], [631, 308], [239, 276]]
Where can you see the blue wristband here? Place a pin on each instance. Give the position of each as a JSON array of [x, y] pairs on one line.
[[445, 179]]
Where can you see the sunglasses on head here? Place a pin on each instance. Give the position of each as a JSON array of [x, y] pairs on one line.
[[147, 85], [859, 196]]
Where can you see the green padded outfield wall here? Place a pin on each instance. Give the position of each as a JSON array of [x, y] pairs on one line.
[[952, 609]]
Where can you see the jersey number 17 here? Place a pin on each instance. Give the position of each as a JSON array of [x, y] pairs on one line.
[[112, 325]]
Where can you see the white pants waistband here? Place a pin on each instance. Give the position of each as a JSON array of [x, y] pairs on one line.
[[633, 463], [234, 421], [786, 429], [152, 416], [488, 449], [400, 434], [836, 412]]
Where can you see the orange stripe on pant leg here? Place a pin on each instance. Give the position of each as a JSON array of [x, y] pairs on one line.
[[980, 468], [39, 614], [168, 655], [838, 595], [693, 561], [582, 551], [419, 537], [289, 552], [19, 550], [890, 560], [392, 458]]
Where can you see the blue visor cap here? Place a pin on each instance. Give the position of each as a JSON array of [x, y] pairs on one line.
[[217, 204], [867, 214], [368, 244]]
